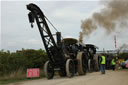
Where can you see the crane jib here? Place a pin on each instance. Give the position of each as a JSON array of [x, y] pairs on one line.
[[37, 15]]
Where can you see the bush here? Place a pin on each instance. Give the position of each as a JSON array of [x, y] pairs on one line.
[[21, 59], [123, 56]]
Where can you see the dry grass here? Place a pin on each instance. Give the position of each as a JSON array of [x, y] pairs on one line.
[[19, 74]]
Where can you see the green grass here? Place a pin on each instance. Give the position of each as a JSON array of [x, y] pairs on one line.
[[18, 76], [123, 69], [3, 82]]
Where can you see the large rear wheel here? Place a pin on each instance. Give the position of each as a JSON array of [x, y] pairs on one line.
[[48, 70], [82, 63], [70, 68]]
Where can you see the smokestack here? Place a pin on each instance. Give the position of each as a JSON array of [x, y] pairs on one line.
[[114, 12], [81, 37]]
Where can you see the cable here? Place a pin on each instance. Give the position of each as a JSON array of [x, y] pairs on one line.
[[52, 25]]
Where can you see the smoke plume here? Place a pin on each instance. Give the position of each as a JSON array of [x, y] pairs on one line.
[[114, 12], [81, 37], [123, 47]]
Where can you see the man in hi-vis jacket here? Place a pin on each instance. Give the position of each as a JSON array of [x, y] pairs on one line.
[[102, 63]]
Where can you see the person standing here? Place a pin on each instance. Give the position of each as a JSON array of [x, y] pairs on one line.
[[113, 64], [102, 63]]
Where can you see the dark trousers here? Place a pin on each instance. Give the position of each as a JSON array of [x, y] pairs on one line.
[[113, 67], [102, 68]]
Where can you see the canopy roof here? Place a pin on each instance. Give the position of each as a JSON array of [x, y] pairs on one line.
[[69, 40]]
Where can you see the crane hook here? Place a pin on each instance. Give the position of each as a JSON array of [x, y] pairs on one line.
[[32, 25]]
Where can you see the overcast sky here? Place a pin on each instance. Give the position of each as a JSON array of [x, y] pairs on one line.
[[66, 16]]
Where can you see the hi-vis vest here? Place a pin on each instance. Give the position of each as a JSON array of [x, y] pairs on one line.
[[113, 62], [103, 60]]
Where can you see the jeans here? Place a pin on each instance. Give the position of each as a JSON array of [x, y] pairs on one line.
[[102, 68]]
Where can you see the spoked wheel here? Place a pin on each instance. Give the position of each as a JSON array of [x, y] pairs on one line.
[[90, 65], [48, 70], [70, 68], [96, 64], [82, 63]]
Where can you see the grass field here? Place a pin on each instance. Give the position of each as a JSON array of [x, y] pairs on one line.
[[16, 77], [4, 82]]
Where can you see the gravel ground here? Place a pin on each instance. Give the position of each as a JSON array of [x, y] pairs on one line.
[[95, 78]]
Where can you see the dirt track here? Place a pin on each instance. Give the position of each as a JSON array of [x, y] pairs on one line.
[[110, 78]]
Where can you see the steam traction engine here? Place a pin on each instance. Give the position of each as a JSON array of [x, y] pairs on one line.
[[66, 56]]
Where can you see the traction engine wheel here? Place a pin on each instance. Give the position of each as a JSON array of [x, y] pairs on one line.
[[48, 70], [96, 64], [90, 65], [70, 68], [82, 64]]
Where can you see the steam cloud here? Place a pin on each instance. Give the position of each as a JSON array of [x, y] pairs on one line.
[[122, 47], [114, 12]]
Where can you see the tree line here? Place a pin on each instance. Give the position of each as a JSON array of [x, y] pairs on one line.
[[123, 56], [27, 58], [21, 59]]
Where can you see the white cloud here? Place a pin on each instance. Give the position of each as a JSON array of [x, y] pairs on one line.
[[69, 36], [49, 0], [32, 42], [68, 13], [0, 26], [65, 16]]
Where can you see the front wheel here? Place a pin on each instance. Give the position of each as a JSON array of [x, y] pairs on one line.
[[70, 68], [48, 70]]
